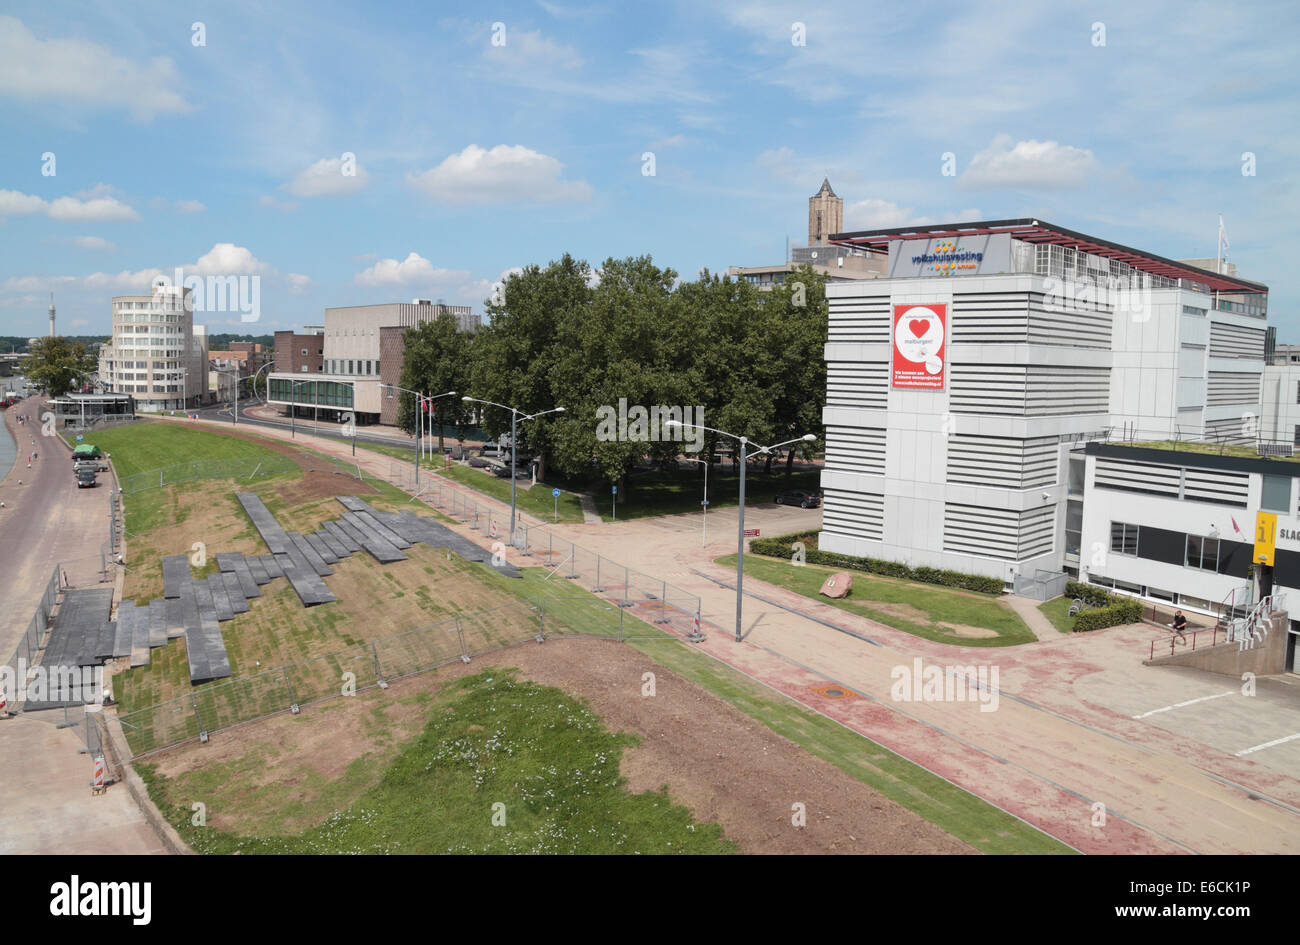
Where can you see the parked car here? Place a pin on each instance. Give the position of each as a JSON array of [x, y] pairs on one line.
[[799, 497], [85, 478]]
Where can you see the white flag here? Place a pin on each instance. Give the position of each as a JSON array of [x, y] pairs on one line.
[[1223, 236]]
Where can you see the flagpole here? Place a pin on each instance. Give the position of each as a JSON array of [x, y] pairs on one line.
[[1218, 257]]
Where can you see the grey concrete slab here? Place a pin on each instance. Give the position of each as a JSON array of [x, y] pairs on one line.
[[176, 570], [194, 652], [333, 543], [214, 646], [342, 537], [257, 569], [272, 566], [436, 535], [311, 590], [235, 592], [318, 545], [277, 541], [350, 530], [175, 619], [139, 617], [312, 557], [78, 627], [381, 550], [382, 530], [220, 597], [246, 582], [157, 623]]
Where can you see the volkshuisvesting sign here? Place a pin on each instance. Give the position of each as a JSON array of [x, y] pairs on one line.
[[920, 333]]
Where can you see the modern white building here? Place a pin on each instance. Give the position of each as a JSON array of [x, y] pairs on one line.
[[963, 385], [157, 354], [1213, 532]]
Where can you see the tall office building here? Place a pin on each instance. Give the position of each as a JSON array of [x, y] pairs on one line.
[[157, 353], [962, 386]]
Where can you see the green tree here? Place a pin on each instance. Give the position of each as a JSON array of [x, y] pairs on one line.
[[515, 357], [436, 359], [58, 365], [795, 319]]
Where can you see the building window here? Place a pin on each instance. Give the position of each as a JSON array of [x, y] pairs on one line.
[[1203, 553], [1275, 493], [304, 369], [1297, 435], [1123, 538], [304, 352]]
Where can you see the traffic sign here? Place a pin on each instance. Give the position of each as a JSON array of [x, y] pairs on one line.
[[615, 489], [555, 493], [80, 437], [751, 533]]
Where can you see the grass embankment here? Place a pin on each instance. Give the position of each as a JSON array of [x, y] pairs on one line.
[[279, 629], [503, 766], [934, 613]]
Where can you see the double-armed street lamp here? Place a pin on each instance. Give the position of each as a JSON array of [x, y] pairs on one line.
[[515, 416], [420, 400], [744, 443]]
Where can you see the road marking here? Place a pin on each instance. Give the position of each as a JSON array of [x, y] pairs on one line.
[[1276, 741], [1179, 705]]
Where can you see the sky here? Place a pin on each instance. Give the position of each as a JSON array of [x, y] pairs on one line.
[[360, 153]]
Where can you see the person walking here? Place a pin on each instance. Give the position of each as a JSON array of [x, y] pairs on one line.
[[1180, 625]]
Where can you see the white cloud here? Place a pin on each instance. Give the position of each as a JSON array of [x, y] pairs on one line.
[[414, 270], [325, 178], [497, 295], [1029, 164], [505, 174], [93, 242], [13, 203], [266, 200], [874, 214], [227, 259], [97, 209], [190, 206], [525, 50], [82, 72], [299, 283]]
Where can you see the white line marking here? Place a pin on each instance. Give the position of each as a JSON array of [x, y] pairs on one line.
[[1276, 741], [1179, 705]]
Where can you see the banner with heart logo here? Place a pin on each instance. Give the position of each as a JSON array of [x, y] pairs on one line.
[[920, 333]]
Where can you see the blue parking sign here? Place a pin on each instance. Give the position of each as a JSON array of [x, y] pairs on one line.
[[615, 488], [555, 493]]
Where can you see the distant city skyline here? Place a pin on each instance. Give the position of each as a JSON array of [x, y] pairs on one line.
[[347, 159]]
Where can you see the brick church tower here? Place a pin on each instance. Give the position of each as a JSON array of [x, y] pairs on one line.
[[825, 214]]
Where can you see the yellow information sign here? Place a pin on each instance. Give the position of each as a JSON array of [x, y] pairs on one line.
[[1265, 537]]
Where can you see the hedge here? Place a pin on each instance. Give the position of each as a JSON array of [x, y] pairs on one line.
[[779, 547], [1110, 610]]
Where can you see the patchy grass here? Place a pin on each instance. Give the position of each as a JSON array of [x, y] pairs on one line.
[[503, 766], [1057, 611], [933, 613]]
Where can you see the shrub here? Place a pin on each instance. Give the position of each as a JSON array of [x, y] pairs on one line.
[[1111, 609], [779, 547]]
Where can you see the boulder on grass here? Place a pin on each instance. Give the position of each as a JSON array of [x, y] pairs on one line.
[[837, 585]]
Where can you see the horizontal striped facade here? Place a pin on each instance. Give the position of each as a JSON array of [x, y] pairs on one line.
[[1002, 462], [1029, 390]]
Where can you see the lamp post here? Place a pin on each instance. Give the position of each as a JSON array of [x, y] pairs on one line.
[[293, 406], [254, 380], [743, 441], [514, 446], [419, 398], [704, 528]]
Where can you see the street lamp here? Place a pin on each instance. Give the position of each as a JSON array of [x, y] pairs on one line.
[[255, 376], [293, 405], [740, 530], [514, 446], [704, 528]]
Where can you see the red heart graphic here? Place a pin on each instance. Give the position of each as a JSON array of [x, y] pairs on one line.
[[919, 326]]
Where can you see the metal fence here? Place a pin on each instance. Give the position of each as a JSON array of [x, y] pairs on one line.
[[219, 706], [33, 638], [653, 598], [206, 469], [1041, 585]]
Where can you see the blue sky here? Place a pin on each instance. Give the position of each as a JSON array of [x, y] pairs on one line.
[[473, 158]]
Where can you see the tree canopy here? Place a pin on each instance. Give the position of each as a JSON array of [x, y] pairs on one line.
[[58, 365], [567, 335]]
